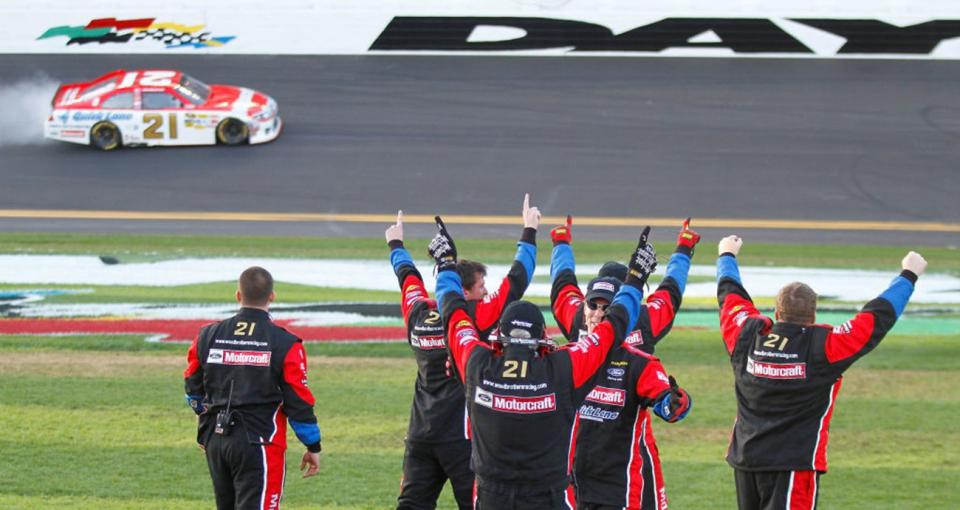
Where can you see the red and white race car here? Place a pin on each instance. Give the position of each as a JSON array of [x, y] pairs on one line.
[[160, 107]]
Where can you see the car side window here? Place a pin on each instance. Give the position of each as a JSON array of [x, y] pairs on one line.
[[160, 101], [120, 100]]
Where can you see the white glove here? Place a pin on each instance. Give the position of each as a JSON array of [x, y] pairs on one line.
[[914, 263], [730, 244], [531, 215], [395, 232]]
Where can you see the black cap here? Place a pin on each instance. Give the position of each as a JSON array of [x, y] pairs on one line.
[[613, 269], [522, 324], [604, 288]]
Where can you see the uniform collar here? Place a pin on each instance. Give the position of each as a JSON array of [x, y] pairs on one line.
[[255, 313]]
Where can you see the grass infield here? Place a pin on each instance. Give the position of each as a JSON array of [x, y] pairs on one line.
[[98, 422]]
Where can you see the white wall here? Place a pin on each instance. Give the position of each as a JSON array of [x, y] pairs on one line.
[[352, 26]]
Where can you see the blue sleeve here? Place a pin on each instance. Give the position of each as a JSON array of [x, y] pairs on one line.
[[447, 281], [678, 268], [560, 259], [307, 433], [898, 293], [631, 299], [527, 255], [400, 257], [727, 268]]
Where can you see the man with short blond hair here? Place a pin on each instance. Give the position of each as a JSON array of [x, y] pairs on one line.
[[787, 376]]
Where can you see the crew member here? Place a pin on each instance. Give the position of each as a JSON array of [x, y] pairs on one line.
[[787, 374], [245, 378], [522, 401], [437, 441], [617, 462]]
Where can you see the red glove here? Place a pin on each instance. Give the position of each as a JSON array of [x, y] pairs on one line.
[[561, 233], [688, 238]]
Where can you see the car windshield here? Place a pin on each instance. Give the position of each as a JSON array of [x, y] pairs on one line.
[[193, 89]]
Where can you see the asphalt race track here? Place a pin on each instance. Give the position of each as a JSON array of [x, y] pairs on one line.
[[869, 140]]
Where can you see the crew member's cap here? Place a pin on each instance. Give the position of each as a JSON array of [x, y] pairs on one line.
[[603, 288], [614, 269], [522, 324]]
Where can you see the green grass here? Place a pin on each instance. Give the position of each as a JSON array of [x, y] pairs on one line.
[[99, 423], [138, 248]]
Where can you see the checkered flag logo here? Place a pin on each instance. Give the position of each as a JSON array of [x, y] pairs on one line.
[[172, 37]]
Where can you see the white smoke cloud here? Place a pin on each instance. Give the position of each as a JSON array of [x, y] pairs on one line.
[[27, 106]]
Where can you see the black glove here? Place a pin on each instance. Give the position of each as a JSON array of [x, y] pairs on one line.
[[442, 249], [642, 262]]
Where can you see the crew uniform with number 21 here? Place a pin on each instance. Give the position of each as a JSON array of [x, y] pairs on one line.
[[160, 107]]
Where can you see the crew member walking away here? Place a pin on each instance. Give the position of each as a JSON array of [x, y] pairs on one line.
[[787, 374], [437, 444], [245, 378], [522, 400], [617, 462]]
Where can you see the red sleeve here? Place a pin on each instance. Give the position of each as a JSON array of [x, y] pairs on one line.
[[295, 377], [411, 292], [193, 375], [849, 338], [488, 310], [565, 306], [734, 313], [653, 382], [462, 339], [660, 313], [588, 353]]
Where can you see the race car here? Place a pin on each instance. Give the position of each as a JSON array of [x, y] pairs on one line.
[[160, 107]]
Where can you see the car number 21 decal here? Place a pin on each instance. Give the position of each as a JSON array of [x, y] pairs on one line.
[[154, 123]]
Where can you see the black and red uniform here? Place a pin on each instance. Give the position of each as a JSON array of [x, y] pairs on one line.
[[259, 370], [617, 463], [787, 378], [437, 441], [522, 405]]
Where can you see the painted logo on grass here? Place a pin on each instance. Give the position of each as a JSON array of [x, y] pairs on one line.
[[171, 34]]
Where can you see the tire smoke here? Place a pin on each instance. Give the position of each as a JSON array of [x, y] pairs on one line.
[[27, 106]]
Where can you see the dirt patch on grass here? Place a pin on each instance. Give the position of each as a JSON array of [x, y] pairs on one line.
[[121, 364]]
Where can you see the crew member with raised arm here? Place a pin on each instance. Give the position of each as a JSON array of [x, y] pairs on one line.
[[437, 442], [577, 314], [617, 462], [522, 401], [787, 374]]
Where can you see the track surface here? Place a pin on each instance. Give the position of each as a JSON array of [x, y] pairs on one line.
[[652, 137]]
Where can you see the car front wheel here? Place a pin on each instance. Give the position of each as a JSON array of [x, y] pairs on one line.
[[232, 132], [105, 136]]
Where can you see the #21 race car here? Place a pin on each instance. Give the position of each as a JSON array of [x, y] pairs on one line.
[[160, 107]]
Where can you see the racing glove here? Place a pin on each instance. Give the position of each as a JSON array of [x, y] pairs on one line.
[[442, 249], [561, 233], [196, 403], [642, 263], [688, 239], [675, 405]]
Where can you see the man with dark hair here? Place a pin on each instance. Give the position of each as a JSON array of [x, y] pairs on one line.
[[522, 400], [617, 461], [245, 378], [787, 375], [437, 441], [473, 275]]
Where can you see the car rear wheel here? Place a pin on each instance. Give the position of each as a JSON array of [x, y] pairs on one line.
[[105, 136], [232, 132]]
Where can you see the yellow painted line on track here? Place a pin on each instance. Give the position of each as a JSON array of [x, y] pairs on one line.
[[454, 219]]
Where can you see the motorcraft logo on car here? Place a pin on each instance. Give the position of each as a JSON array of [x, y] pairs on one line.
[[113, 31], [604, 395], [776, 370], [696, 36], [231, 357], [518, 405]]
